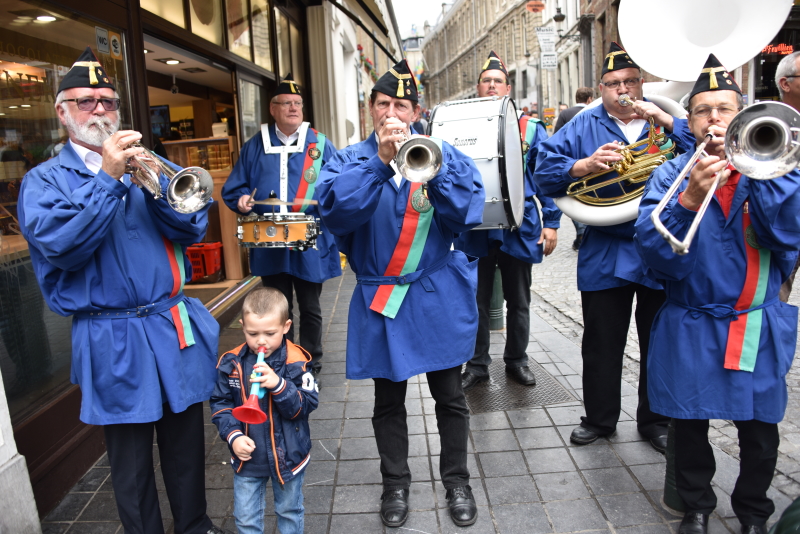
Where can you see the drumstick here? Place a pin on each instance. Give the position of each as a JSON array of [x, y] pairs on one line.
[[250, 201], [278, 202]]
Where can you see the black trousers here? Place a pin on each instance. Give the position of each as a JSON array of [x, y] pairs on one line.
[[310, 311], [516, 276], [181, 449], [606, 319], [695, 466], [391, 430]]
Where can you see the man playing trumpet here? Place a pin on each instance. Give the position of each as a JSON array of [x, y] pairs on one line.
[[610, 272], [723, 342]]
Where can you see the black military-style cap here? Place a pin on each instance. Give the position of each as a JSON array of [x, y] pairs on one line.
[[714, 77], [493, 62], [617, 59], [398, 82], [86, 72], [288, 86]]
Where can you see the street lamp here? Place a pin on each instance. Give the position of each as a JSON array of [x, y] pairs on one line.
[[559, 16]]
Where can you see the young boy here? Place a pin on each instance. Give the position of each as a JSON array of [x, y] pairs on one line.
[[279, 448]]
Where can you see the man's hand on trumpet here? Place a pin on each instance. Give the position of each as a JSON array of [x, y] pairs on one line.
[[646, 110], [702, 179], [601, 160], [716, 147], [117, 150], [391, 134]]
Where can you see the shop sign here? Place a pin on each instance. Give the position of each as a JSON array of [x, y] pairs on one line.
[[549, 61], [116, 45], [547, 38], [535, 6], [781, 49], [549, 116], [102, 40]]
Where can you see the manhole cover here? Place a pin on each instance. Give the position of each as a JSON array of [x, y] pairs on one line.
[[502, 393]]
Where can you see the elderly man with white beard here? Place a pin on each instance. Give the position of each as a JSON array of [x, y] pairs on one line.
[[113, 257]]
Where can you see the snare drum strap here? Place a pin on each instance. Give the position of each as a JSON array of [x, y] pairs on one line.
[[405, 258], [311, 167]]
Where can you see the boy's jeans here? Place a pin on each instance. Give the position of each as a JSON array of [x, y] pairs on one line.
[[249, 501]]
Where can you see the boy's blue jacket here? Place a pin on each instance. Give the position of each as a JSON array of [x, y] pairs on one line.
[[283, 442]]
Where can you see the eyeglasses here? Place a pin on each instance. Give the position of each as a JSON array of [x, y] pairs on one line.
[[497, 81], [90, 104], [705, 111], [632, 82], [289, 104]]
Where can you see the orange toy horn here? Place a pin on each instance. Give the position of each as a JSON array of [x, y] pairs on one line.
[[250, 412]]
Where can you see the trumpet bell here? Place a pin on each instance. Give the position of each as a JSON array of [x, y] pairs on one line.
[[190, 190], [419, 159], [762, 141]]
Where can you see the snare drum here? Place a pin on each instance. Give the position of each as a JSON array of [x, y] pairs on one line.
[[487, 130], [278, 230]]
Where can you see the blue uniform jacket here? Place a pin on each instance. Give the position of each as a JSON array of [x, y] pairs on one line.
[[283, 441], [93, 251], [522, 242], [607, 257], [686, 377], [362, 206], [261, 171]]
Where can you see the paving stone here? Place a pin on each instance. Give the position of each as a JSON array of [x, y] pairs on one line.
[[566, 415], [217, 476], [571, 516], [594, 456], [359, 409], [332, 394], [658, 528], [538, 438], [356, 523], [529, 418], [434, 446], [328, 410], [488, 421], [650, 476], [561, 486], [317, 473], [219, 503], [549, 460], [495, 440], [628, 510], [317, 499], [101, 507], [55, 528], [610, 481], [359, 448], [483, 525], [325, 428], [530, 518], [361, 394], [333, 381], [325, 448], [424, 521], [357, 428], [313, 524], [498, 464], [511, 490], [636, 453], [416, 424], [420, 468], [96, 527], [626, 431], [357, 499]]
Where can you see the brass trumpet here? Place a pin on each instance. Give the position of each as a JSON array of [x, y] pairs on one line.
[[632, 170], [418, 158], [761, 142], [189, 190]]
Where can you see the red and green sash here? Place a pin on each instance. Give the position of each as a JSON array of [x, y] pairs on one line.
[[744, 332], [311, 167], [405, 258], [668, 144], [179, 314]]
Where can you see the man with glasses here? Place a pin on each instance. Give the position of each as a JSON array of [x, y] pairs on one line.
[[284, 162], [513, 252], [113, 257], [723, 342], [610, 272]]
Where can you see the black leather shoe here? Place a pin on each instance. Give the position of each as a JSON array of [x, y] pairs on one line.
[[463, 509], [217, 530], [394, 508], [577, 243], [470, 380], [583, 436], [754, 529], [694, 524], [659, 443], [521, 375]]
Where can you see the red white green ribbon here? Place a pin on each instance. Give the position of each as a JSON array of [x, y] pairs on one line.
[[180, 316], [305, 191], [405, 258], [744, 332]]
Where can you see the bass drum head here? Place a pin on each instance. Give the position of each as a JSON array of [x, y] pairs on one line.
[[512, 164]]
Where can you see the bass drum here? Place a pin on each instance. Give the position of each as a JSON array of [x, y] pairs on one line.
[[620, 213], [487, 130]]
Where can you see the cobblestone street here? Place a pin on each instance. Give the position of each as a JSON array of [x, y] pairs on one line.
[[556, 300]]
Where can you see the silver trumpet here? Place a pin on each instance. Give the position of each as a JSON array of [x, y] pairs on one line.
[[418, 157], [625, 100], [189, 190], [762, 142]]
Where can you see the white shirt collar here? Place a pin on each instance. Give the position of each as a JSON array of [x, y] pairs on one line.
[[580, 105], [632, 130], [90, 158], [287, 139]]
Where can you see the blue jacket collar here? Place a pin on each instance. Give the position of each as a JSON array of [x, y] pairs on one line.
[[70, 159]]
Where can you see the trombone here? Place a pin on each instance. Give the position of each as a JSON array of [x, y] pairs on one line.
[[762, 142]]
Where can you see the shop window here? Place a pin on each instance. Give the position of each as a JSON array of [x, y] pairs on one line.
[[284, 48], [238, 28], [35, 343], [298, 66], [261, 46], [171, 10], [253, 107], [207, 20]]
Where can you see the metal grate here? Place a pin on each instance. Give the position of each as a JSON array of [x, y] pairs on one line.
[[502, 393]]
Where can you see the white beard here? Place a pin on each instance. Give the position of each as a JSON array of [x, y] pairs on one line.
[[92, 132]]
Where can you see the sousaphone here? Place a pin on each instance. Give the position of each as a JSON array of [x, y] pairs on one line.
[[733, 30]]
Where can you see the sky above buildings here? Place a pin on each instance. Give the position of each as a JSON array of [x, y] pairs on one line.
[[416, 12]]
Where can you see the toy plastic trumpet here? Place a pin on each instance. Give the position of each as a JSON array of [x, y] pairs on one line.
[[250, 412]]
